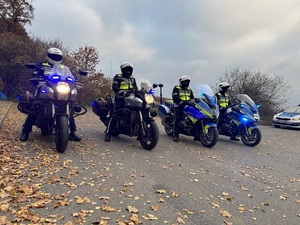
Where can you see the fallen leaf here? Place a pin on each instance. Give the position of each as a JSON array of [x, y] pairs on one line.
[[161, 191], [215, 205], [132, 209], [149, 217], [154, 208], [241, 209], [107, 208], [225, 213], [283, 197], [180, 220]]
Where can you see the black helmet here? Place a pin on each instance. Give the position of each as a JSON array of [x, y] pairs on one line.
[[126, 69]]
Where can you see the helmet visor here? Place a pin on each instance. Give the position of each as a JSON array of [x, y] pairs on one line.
[[54, 57], [185, 83], [127, 71]]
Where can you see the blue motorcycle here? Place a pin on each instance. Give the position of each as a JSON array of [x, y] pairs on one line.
[[199, 117], [239, 120]]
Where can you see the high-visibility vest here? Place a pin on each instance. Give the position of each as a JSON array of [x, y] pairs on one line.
[[47, 68], [125, 84], [223, 100], [184, 95]]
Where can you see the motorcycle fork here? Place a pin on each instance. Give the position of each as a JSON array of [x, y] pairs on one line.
[[142, 124], [60, 110]]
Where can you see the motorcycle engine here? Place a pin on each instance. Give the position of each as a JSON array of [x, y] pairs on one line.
[[186, 122]]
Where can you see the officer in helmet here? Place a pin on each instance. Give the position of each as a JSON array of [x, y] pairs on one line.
[[53, 56], [123, 85], [181, 95], [224, 102]]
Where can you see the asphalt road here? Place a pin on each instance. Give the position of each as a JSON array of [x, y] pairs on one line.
[[119, 182]]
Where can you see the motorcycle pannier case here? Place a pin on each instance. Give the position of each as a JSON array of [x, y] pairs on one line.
[[164, 111], [169, 103], [100, 107]]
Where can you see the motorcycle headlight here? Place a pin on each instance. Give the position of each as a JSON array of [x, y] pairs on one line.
[[149, 99], [63, 88]]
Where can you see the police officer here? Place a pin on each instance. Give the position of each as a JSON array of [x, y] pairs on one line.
[[224, 102], [54, 56], [123, 85], [181, 95]]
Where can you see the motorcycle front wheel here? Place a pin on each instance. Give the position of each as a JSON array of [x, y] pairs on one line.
[[150, 139], [252, 139], [62, 133], [210, 138]]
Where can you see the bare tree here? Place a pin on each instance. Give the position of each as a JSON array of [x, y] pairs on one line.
[[14, 13], [95, 84], [270, 91]]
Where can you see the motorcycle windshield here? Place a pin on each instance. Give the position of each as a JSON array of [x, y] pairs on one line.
[[247, 101], [206, 93], [60, 72], [146, 86]]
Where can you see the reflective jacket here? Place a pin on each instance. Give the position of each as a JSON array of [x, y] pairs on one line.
[[122, 86], [223, 99], [180, 94]]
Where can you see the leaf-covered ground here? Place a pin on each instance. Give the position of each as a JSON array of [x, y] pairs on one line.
[[97, 183]]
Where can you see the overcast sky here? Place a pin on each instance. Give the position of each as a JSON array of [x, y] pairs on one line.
[[165, 39]]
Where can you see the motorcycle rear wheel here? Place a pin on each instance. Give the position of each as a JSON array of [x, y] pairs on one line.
[[169, 131], [62, 133], [253, 139], [46, 127], [211, 138], [151, 137]]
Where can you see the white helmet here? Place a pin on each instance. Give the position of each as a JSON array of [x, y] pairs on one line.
[[184, 78], [184, 81], [54, 56], [127, 69], [223, 86]]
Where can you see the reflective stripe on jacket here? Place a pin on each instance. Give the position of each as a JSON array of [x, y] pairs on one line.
[[223, 100], [184, 95], [125, 84], [46, 68]]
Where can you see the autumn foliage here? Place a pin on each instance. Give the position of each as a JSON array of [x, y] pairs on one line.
[[18, 48]]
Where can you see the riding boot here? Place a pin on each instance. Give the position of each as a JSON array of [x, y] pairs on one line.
[[24, 136], [107, 137], [176, 138], [74, 137]]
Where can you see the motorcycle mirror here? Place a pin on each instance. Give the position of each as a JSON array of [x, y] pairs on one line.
[[197, 100], [83, 72], [31, 65], [155, 85]]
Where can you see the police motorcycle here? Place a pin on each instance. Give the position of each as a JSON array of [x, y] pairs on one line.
[[199, 117], [51, 103], [138, 116], [239, 120]]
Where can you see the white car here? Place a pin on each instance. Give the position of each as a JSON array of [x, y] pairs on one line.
[[288, 118]]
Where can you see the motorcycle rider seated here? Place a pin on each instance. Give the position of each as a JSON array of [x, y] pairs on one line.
[[224, 102], [54, 56], [181, 96], [123, 85]]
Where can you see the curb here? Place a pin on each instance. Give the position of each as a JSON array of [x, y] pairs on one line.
[[6, 108]]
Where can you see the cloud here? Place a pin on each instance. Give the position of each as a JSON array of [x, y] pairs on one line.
[[167, 39]]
